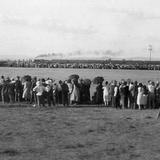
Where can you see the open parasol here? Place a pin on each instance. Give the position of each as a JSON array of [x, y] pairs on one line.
[[97, 80], [27, 78], [74, 76]]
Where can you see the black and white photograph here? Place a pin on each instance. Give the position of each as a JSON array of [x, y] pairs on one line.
[[79, 80]]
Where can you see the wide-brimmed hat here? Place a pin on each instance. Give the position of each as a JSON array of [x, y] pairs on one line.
[[49, 82]]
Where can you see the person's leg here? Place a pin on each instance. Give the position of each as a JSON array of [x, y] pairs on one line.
[[153, 98], [139, 107], [66, 99], [35, 98], [42, 100], [2, 94], [122, 102], [149, 101], [114, 102], [117, 102], [48, 99], [10, 98], [126, 101], [16, 97], [38, 101], [63, 99]]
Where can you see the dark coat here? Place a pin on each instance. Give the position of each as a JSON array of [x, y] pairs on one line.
[[99, 94]]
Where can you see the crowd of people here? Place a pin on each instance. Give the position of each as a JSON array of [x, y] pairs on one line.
[[48, 92], [84, 64]]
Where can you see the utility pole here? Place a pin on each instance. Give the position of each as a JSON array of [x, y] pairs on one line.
[[150, 52]]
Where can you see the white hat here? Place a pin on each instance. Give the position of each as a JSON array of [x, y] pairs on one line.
[[49, 82]]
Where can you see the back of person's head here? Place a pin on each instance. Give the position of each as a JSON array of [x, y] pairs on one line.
[[152, 83], [128, 81], [43, 80], [135, 82], [125, 82], [122, 81], [60, 82], [69, 81], [114, 82], [140, 85], [35, 78], [8, 79], [106, 82]]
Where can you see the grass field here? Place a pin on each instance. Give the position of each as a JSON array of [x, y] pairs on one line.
[[83, 133], [78, 133], [63, 74]]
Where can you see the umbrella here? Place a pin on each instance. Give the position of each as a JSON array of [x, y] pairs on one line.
[[27, 77], [74, 76], [97, 80]]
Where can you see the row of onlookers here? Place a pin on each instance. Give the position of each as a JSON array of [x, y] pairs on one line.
[[39, 92]]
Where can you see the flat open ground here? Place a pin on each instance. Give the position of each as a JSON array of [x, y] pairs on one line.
[[88, 133]]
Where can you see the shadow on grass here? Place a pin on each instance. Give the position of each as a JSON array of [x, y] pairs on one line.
[[10, 152], [74, 146]]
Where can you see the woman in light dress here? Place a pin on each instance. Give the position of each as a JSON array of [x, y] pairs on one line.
[[75, 94], [106, 94], [27, 90], [70, 88], [140, 96]]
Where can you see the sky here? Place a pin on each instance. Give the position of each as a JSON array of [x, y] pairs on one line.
[[112, 28]]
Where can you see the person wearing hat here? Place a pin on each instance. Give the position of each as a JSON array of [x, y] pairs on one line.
[[33, 94], [123, 94], [151, 95], [157, 94], [18, 89], [39, 89], [49, 93], [27, 90], [65, 91], [116, 95], [99, 93], [11, 90], [140, 96], [75, 94], [106, 94], [2, 80], [111, 93], [4, 91]]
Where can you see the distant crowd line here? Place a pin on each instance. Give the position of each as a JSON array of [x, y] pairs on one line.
[[47, 92], [84, 65]]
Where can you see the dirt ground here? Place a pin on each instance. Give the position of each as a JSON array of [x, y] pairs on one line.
[[78, 133]]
